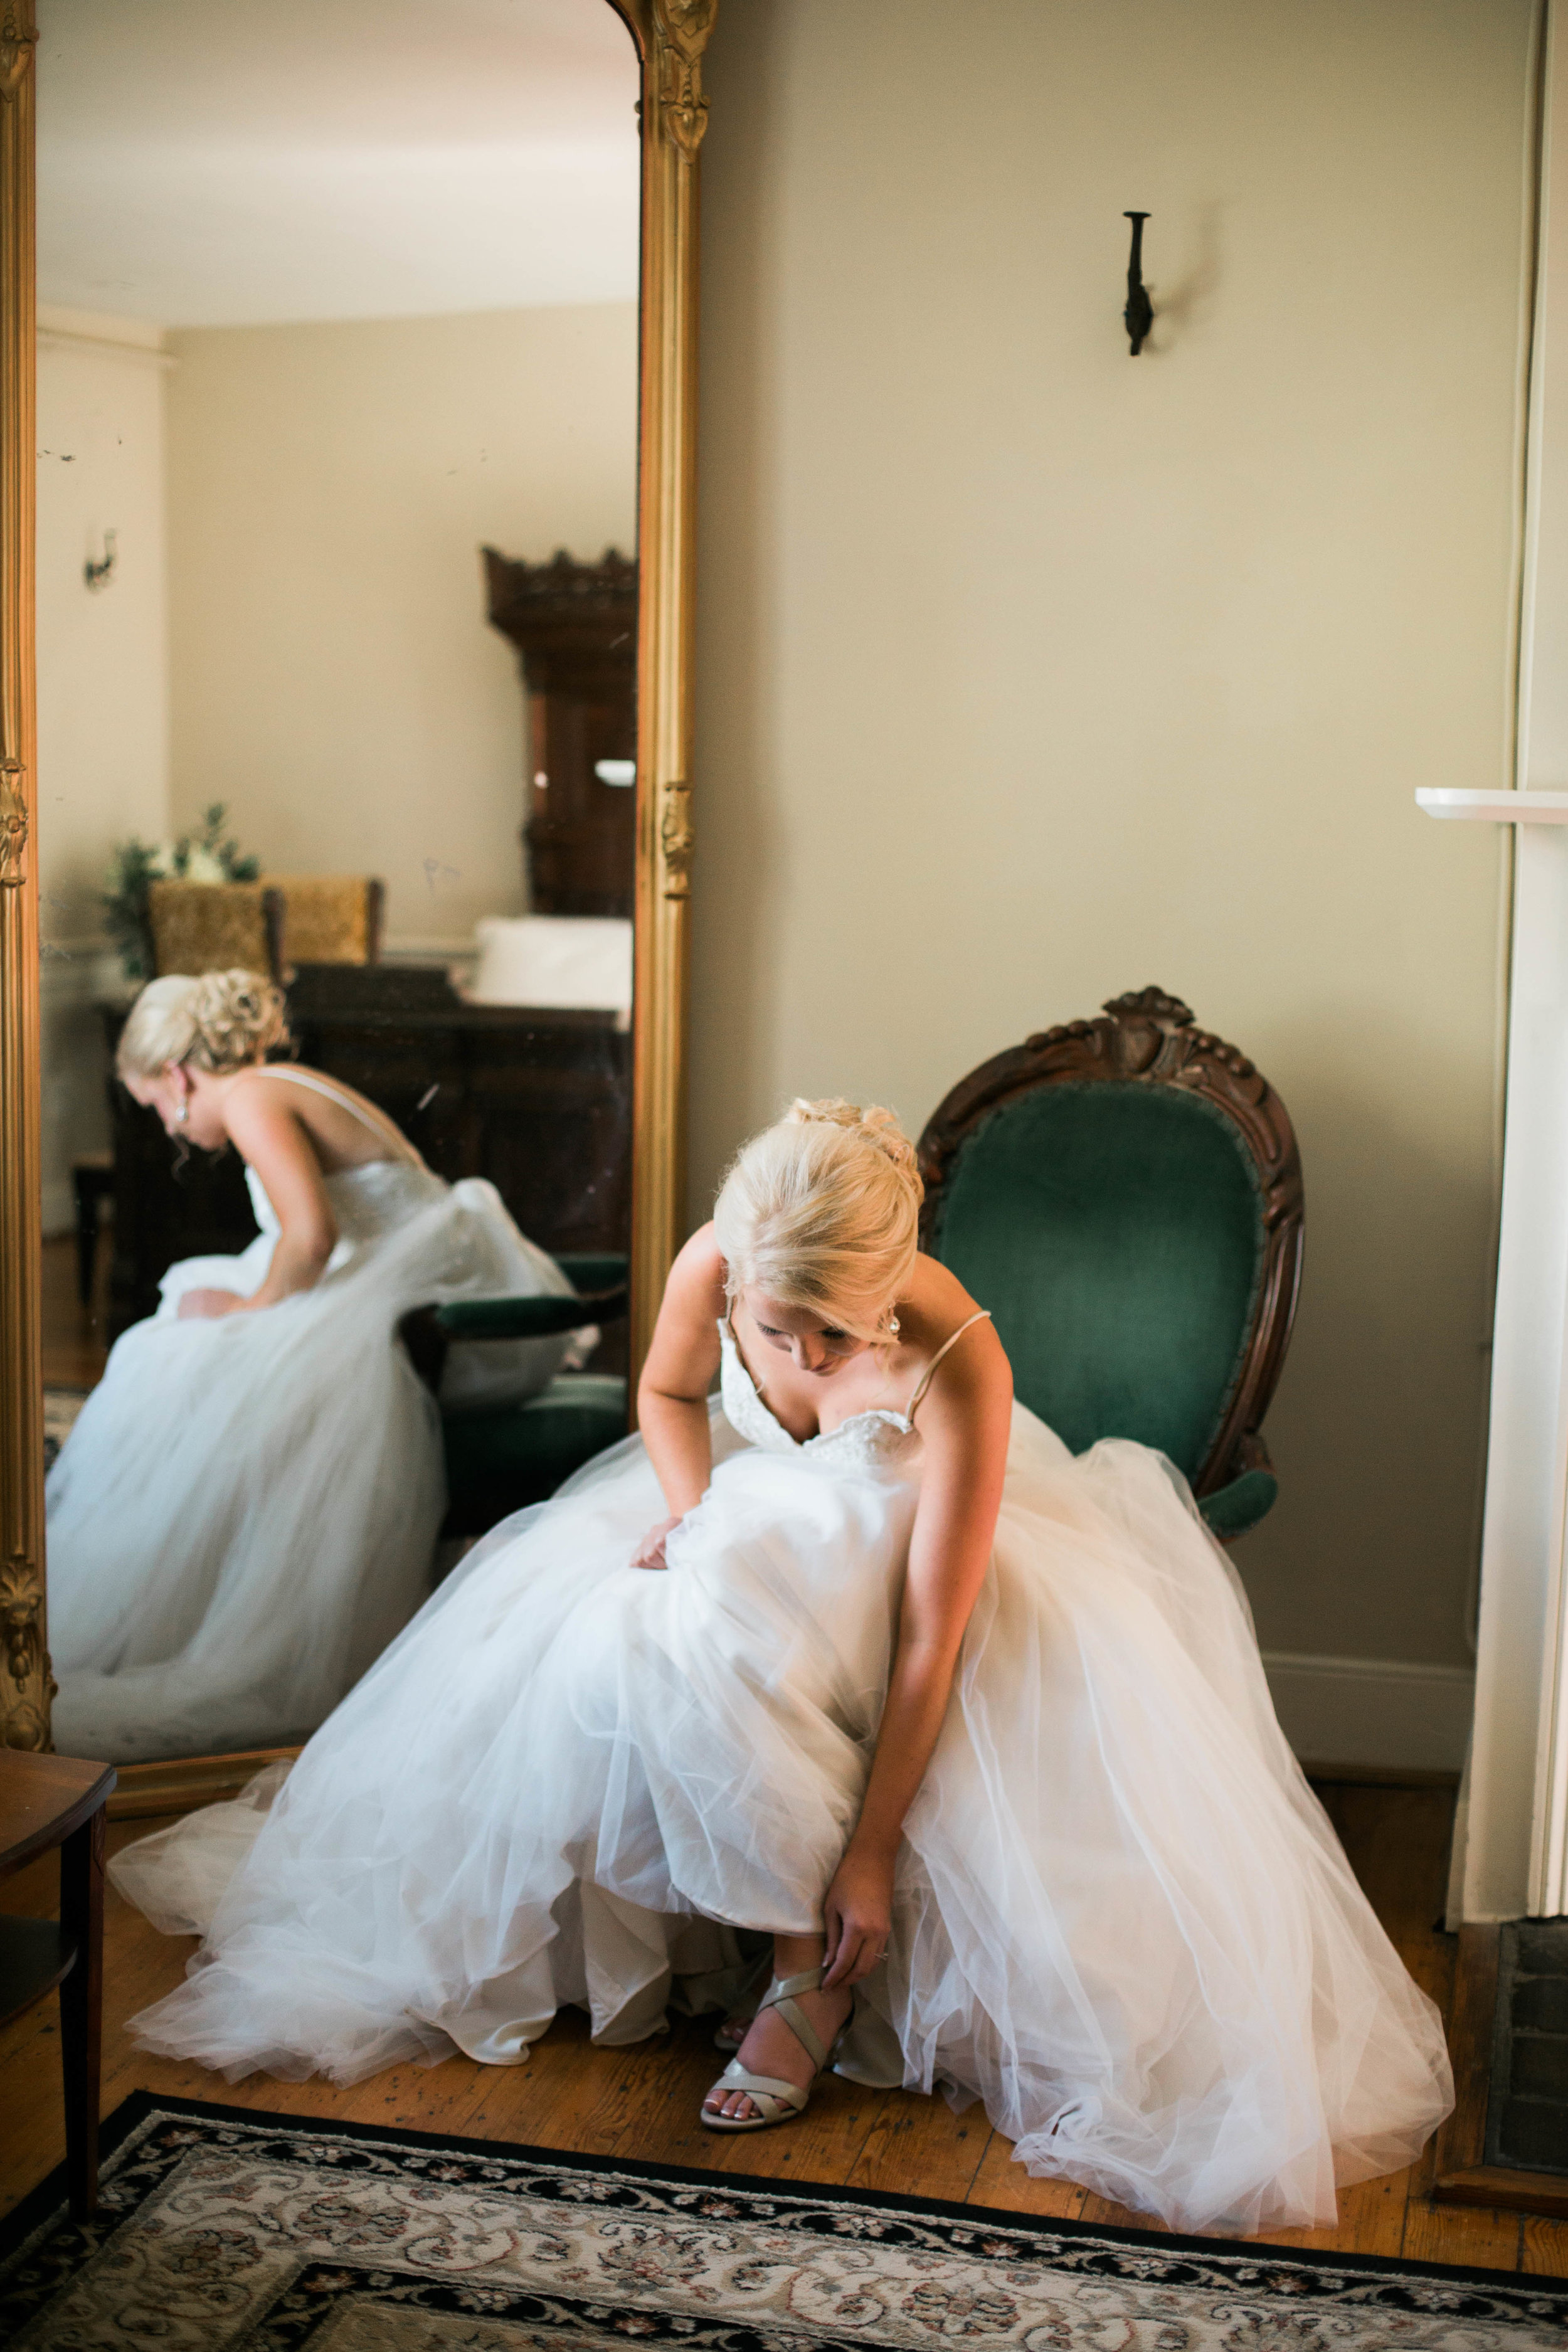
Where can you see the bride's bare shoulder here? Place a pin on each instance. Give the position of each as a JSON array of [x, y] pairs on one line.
[[697, 1277], [937, 1294]]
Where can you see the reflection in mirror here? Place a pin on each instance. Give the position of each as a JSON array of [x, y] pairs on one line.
[[337, 615]]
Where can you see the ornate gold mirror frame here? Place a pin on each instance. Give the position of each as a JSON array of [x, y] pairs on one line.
[[670, 37]]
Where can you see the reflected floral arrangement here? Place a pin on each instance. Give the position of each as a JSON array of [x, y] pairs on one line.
[[208, 856]]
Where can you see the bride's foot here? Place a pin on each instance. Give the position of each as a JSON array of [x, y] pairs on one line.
[[770, 2047]]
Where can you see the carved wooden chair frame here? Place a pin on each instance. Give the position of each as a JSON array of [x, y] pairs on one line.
[[1147, 1039]]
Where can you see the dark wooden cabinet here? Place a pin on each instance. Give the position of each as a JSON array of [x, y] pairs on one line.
[[575, 626], [537, 1101]]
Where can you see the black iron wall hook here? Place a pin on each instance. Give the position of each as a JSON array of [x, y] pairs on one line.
[[1139, 311]]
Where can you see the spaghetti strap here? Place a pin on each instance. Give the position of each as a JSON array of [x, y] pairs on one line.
[[381, 1127], [982, 1316]]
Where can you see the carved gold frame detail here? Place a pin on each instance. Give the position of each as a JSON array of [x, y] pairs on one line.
[[671, 36], [25, 1685]]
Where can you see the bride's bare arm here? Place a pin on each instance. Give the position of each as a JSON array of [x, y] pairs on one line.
[[272, 1140], [964, 1422], [672, 1395]]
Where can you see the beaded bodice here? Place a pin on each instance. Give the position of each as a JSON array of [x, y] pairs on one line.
[[366, 1202], [866, 1441]]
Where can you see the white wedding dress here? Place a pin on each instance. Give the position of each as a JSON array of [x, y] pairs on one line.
[[1121, 1918], [246, 1510]]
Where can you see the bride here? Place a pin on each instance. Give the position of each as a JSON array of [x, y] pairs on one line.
[[245, 1511], [976, 1732]]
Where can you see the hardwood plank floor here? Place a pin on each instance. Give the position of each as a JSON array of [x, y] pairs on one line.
[[643, 2102], [74, 1349]]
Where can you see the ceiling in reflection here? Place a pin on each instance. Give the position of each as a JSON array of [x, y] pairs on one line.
[[226, 162]]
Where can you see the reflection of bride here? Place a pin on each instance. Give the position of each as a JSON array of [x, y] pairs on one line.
[[992, 1717], [245, 1511]]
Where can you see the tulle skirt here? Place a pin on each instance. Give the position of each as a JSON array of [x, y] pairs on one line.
[[1122, 1919], [246, 1510]]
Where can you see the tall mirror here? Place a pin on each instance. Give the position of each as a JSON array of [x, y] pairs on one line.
[[342, 846]]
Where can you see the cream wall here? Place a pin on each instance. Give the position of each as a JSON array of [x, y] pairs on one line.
[[102, 696], [333, 677], [103, 751], [1028, 672]]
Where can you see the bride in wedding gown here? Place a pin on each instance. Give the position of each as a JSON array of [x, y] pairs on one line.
[[246, 1510], [977, 1732]]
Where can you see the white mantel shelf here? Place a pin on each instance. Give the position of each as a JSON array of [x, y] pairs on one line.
[[1498, 808]]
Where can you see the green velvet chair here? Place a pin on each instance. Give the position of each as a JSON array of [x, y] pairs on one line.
[[1125, 1195], [500, 1458]]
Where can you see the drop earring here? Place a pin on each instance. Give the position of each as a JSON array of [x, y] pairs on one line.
[[182, 1110]]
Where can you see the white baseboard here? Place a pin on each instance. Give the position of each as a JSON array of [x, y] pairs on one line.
[[1388, 1712]]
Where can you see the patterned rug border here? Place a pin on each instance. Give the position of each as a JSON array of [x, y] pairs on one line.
[[1239, 2262]]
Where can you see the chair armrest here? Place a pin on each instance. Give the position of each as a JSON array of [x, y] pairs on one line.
[[1245, 1499], [602, 1296], [539, 1317], [589, 1271], [1233, 1509]]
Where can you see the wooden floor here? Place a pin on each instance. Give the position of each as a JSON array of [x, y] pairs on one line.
[[74, 1351], [643, 2102]]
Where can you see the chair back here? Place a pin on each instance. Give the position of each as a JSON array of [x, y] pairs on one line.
[[1125, 1195], [217, 926], [332, 917]]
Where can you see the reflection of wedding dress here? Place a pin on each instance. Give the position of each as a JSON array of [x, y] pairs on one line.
[[246, 1510], [1120, 1919]]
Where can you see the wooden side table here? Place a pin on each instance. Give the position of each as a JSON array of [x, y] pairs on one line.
[[46, 1801]]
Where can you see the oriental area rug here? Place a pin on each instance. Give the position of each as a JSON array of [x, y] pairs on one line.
[[219, 2227]]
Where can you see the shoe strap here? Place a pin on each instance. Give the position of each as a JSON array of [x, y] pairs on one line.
[[779, 1997], [809, 1980], [772, 2087]]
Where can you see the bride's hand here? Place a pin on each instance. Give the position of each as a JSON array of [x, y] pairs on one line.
[[650, 1553], [859, 1917], [208, 1303]]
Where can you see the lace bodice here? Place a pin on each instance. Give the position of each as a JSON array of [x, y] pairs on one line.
[[366, 1202], [865, 1441]]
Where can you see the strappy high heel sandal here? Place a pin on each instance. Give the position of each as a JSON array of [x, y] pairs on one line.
[[776, 2100]]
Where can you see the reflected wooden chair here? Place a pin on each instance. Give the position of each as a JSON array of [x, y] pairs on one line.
[[331, 917], [1125, 1195], [217, 926], [500, 1458]]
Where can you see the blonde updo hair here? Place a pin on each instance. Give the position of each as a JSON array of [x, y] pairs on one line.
[[218, 1020], [821, 1211]]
